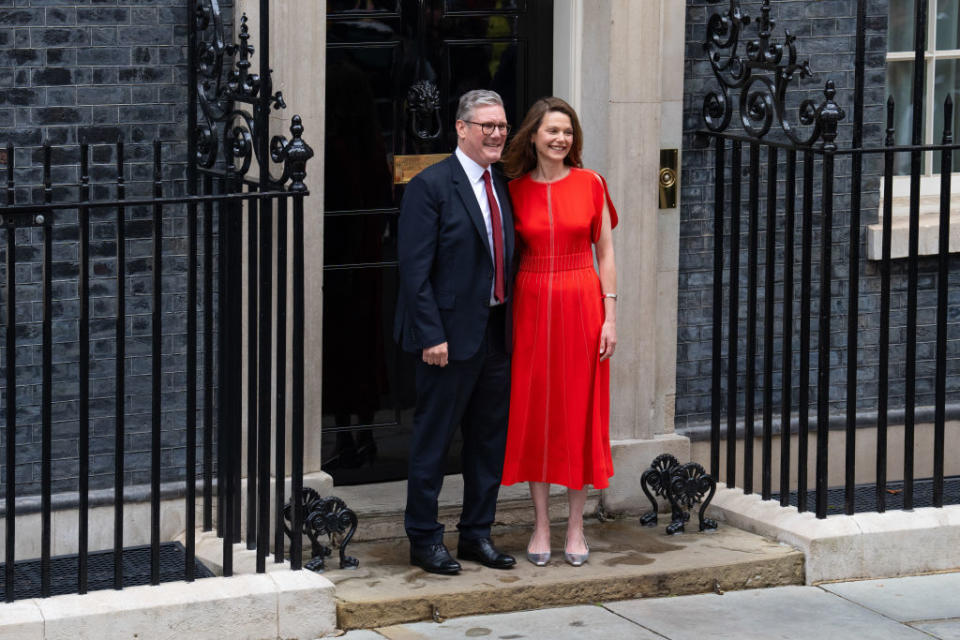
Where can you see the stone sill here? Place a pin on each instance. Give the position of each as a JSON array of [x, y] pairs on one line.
[[929, 235], [929, 244]]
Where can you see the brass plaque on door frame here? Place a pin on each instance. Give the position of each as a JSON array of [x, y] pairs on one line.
[[407, 166]]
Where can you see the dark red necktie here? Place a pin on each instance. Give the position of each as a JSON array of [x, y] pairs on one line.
[[499, 292]]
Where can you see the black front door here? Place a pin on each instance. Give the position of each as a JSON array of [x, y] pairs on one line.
[[395, 70]]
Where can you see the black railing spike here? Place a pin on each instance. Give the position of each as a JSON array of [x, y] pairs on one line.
[[891, 130], [948, 120]]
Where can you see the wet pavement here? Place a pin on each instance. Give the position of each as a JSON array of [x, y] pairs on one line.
[[918, 607]]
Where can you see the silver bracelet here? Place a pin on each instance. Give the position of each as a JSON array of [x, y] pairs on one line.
[[612, 296]]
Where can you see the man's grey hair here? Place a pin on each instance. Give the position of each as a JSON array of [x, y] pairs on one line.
[[476, 98]]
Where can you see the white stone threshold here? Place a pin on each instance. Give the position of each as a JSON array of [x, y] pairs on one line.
[[281, 604], [864, 545]]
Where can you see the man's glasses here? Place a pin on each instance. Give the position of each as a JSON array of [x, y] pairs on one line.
[[488, 127]]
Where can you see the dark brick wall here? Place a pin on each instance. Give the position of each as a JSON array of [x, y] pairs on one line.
[[825, 31], [92, 71]]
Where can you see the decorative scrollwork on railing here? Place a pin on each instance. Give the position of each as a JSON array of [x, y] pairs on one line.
[[761, 98], [323, 516], [683, 485], [233, 103]]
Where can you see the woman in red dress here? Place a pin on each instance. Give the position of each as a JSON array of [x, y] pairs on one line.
[[564, 322]]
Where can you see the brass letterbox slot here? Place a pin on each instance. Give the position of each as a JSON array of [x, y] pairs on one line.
[[667, 181]]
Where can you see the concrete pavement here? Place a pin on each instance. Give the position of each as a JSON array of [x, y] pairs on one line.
[[917, 607]]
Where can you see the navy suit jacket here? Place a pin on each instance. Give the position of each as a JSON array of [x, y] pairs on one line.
[[446, 265]]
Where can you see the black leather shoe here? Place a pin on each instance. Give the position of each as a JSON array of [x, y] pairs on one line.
[[482, 550], [434, 558]]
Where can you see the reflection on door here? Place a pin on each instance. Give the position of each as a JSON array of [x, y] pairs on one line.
[[395, 71]]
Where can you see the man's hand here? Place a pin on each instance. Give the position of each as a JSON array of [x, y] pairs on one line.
[[436, 355]]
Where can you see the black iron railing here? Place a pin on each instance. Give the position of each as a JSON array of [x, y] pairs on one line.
[[228, 134], [757, 82], [222, 201]]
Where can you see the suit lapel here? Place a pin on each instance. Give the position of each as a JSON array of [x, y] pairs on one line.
[[469, 199]]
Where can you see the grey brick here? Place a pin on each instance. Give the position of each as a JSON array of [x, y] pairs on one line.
[[60, 115], [106, 115], [155, 34], [59, 36], [143, 55], [61, 16], [20, 57], [146, 113], [20, 97], [61, 57], [103, 95], [103, 56], [53, 76], [103, 36], [144, 74], [103, 16], [142, 16], [62, 96], [21, 17]]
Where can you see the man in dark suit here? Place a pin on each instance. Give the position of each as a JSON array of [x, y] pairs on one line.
[[455, 246]]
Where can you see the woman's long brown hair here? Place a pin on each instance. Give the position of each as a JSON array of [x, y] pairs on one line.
[[521, 154]]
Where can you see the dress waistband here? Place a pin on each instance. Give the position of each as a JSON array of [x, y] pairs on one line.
[[560, 262]]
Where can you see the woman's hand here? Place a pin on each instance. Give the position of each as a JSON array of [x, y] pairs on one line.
[[608, 340]]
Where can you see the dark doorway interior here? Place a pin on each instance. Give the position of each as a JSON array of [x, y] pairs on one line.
[[395, 70]]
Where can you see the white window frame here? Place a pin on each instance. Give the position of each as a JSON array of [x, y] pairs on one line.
[[929, 181], [930, 58]]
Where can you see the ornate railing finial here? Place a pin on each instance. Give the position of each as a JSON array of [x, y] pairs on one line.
[[828, 116], [293, 154]]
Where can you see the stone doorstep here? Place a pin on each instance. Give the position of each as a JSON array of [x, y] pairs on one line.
[[864, 545], [627, 561], [281, 604]]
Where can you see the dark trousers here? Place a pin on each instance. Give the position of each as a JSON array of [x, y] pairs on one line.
[[474, 394]]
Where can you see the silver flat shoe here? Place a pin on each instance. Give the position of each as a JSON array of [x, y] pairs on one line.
[[539, 559], [577, 559]]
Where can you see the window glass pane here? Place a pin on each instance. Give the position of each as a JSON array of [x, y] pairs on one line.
[[948, 24], [900, 31], [947, 82], [900, 86]]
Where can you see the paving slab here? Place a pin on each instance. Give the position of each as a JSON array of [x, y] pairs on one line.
[[361, 634], [568, 623], [21, 620], [942, 629], [626, 561], [783, 613], [929, 597]]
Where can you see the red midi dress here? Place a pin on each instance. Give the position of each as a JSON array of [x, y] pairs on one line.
[[559, 430]]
